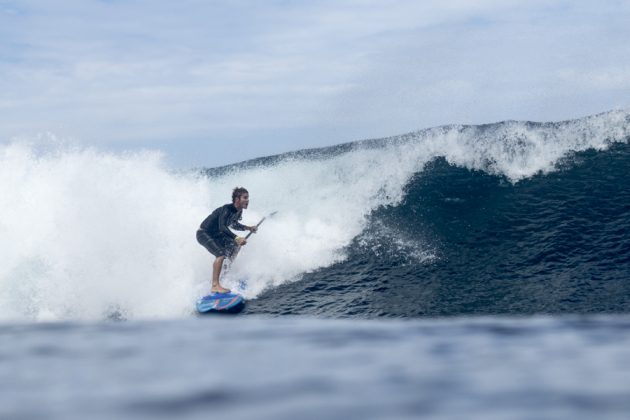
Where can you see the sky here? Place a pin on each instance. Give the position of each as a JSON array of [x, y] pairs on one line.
[[210, 83]]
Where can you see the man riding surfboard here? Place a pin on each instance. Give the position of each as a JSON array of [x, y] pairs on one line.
[[214, 233]]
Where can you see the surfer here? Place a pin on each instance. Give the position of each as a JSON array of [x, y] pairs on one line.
[[214, 233]]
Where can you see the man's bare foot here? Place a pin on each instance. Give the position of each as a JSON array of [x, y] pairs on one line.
[[219, 290]]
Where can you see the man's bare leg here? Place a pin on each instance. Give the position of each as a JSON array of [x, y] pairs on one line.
[[216, 274]]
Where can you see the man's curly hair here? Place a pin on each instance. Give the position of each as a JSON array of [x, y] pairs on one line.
[[238, 192]]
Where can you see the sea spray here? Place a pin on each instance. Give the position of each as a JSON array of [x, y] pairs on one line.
[[85, 234]]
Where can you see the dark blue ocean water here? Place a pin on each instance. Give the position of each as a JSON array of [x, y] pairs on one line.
[[549, 244], [458, 272], [287, 368]]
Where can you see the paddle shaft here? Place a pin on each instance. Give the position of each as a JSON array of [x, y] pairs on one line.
[[238, 248], [260, 223]]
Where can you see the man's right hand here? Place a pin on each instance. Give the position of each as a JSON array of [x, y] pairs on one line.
[[240, 241]]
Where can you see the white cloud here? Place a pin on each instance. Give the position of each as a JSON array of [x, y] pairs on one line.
[[602, 78]]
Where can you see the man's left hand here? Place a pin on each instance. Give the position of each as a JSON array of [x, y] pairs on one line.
[[253, 229]]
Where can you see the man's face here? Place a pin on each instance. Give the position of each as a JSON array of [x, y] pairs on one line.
[[242, 202]]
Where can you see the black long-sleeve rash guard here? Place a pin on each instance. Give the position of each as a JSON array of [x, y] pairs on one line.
[[219, 222]]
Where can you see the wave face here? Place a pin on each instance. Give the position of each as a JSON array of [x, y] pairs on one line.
[[512, 217], [508, 218]]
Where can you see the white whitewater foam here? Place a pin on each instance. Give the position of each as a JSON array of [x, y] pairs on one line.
[[518, 150], [85, 233]]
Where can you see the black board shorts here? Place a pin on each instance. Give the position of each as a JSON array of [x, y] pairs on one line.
[[217, 246]]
